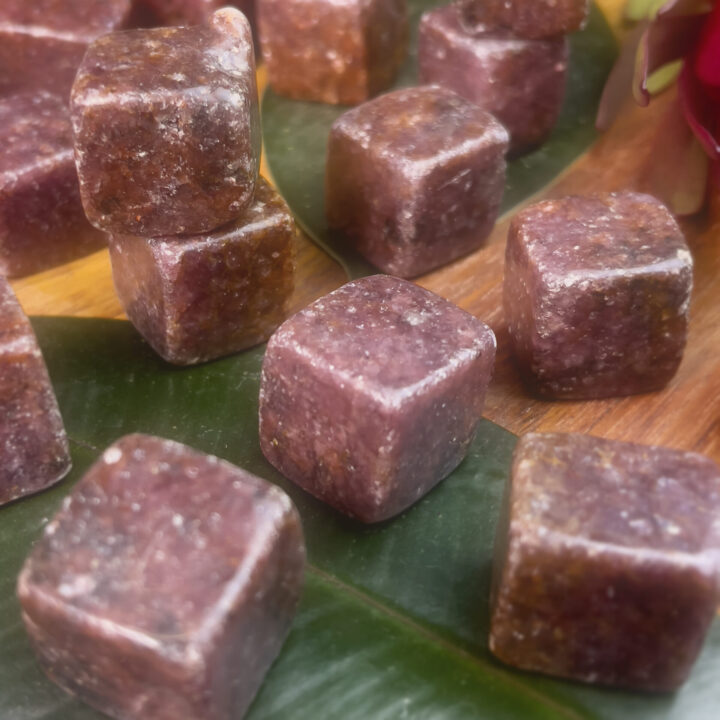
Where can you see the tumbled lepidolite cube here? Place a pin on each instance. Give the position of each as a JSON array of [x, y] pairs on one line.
[[201, 297], [520, 81], [42, 222], [607, 561], [415, 178], [167, 131], [371, 395], [597, 295], [332, 51], [34, 450], [166, 584], [529, 18], [42, 42]]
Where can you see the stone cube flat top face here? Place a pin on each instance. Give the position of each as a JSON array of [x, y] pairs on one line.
[[385, 336], [420, 128], [621, 494], [604, 234], [155, 537]]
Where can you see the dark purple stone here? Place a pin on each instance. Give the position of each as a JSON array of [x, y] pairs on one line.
[[165, 586], [371, 395], [597, 295], [415, 178], [520, 81], [33, 447], [607, 561]]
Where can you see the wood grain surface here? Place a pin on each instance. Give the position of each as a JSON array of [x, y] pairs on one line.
[[684, 415]]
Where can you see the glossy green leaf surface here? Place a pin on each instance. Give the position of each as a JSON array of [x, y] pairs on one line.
[[296, 134], [394, 618]]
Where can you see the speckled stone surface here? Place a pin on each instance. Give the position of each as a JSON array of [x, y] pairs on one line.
[[165, 586], [371, 395], [529, 18], [333, 51], [520, 81], [415, 178], [42, 42], [34, 450], [607, 561], [42, 222], [167, 129], [597, 295], [201, 297]]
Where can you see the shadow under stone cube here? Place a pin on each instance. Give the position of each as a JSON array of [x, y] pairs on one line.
[[371, 395]]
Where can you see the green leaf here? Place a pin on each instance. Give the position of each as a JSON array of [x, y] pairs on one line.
[[394, 619], [296, 133]]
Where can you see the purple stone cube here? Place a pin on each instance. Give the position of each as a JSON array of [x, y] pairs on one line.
[[371, 395], [42, 42], [42, 222], [520, 81], [167, 130], [415, 178], [201, 297], [34, 450], [597, 295], [165, 586], [333, 51], [607, 561]]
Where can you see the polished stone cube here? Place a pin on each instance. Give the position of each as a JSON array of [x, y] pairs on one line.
[[333, 51], [165, 586], [42, 222], [607, 561], [42, 42], [167, 130], [371, 395], [520, 81], [597, 295], [200, 297], [33, 446], [415, 178]]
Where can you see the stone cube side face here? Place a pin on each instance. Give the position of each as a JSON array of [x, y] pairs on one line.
[[169, 160], [586, 334], [33, 443], [153, 644], [521, 82], [332, 52]]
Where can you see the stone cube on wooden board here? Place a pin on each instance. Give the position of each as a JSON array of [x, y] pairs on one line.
[[597, 295], [42, 222], [34, 450], [167, 128], [529, 18], [196, 298], [165, 586], [371, 395], [333, 51], [42, 42], [415, 178], [606, 563], [519, 80]]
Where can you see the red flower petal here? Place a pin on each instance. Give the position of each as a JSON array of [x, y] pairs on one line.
[[707, 60], [701, 110]]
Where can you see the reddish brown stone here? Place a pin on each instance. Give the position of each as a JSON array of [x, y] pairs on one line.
[[165, 586], [195, 12], [201, 297], [597, 294], [607, 561], [529, 18], [415, 178], [520, 81], [42, 222], [33, 447], [333, 51], [42, 42], [167, 130], [371, 396]]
